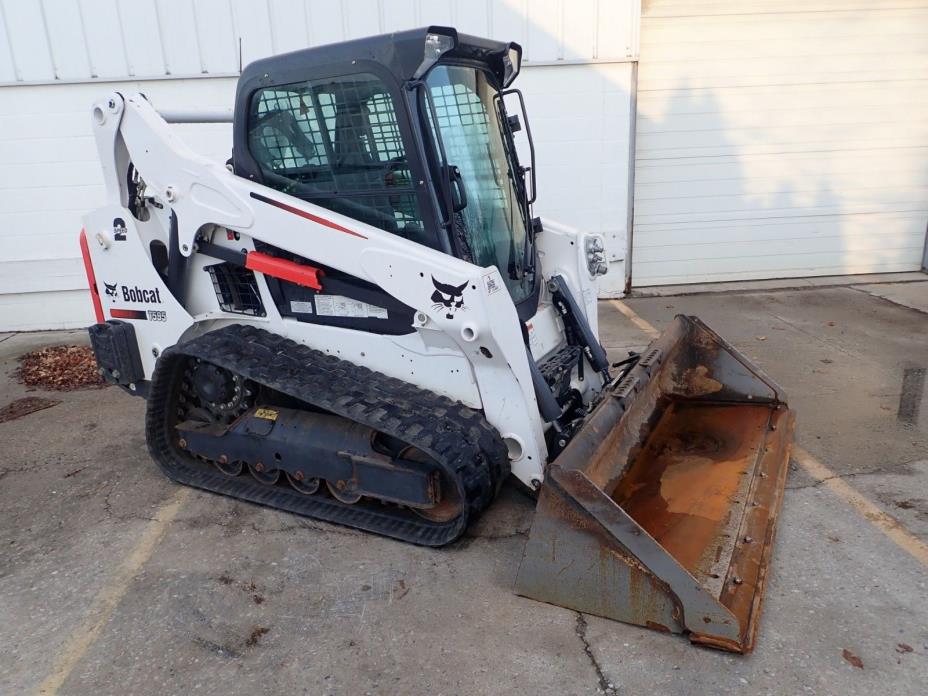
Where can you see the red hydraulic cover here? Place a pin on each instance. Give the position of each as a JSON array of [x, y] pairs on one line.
[[307, 276]]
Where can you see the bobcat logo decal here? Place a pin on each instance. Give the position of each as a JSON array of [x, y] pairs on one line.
[[449, 297], [110, 289]]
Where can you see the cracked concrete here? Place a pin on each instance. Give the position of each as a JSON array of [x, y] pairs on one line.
[[605, 686], [242, 599]]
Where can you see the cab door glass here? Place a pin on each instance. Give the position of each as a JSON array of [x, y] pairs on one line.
[[466, 121]]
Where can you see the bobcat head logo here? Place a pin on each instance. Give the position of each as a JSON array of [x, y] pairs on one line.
[[450, 297], [110, 289]]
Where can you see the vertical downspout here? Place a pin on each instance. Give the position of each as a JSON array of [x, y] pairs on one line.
[[630, 207]]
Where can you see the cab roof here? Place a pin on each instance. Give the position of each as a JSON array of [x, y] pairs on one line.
[[400, 53]]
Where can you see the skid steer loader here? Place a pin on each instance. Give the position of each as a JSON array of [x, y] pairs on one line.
[[358, 319]]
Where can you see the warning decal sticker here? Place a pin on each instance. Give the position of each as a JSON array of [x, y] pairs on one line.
[[341, 306]]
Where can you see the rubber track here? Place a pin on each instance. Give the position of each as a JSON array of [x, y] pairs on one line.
[[458, 438]]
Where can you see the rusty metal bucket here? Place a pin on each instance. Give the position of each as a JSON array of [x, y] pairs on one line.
[[662, 511]]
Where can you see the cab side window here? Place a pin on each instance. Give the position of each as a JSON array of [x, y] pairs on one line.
[[336, 143]]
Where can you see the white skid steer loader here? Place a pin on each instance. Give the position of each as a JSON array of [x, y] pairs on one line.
[[359, 320]]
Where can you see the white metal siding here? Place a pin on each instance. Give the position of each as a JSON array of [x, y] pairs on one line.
[[780, 139], [62, 40], [580, 117], [50, 177], [49, 174]]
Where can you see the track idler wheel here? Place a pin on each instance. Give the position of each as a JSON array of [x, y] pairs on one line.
[[449, 506], [341, 493], [306, 486], [233, 468], [262, 474]]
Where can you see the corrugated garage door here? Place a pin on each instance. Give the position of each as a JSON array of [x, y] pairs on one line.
[[780, 139]]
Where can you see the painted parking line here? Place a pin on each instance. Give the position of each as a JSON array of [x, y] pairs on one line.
[[886, 523], [635, 319], [106, 601]]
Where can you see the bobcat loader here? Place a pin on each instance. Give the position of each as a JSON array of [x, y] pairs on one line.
[[358, 319]]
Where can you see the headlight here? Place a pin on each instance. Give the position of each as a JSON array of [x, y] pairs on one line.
[[596, 262], [436, 45], [512, 63]]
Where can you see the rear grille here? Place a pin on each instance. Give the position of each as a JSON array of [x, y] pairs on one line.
[[236, 289]]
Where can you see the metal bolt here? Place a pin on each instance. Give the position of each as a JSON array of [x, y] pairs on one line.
[[773, 426], [155, 351], [737, 580], [536, 483], [170, 194], [111, 103], [748, 540], [223, 459], [561, 443], [183, 443], [185, 247], [259, 467], [341, 485], [298, 475]]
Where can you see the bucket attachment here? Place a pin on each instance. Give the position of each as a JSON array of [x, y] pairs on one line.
[[662, 510]]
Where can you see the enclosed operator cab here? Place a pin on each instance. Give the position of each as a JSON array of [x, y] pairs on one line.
[[407, 132]]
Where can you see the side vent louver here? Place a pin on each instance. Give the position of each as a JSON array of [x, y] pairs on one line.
[[236, 289]]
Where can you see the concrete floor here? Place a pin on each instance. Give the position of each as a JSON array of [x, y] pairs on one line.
[[102, 594]]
